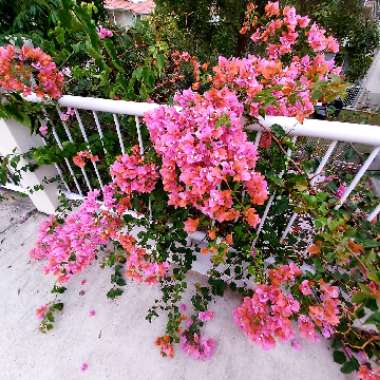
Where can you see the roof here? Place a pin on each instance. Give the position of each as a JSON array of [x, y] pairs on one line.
[[143, 7]]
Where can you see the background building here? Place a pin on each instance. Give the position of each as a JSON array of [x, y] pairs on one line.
[[124, 13]]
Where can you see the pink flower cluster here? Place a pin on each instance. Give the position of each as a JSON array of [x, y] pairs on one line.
[[139, 267], [198, 347], [131, 174], [203, 146], [283, 29], [71, 246], [28, 70], [326, 314], [80, 158], [166, 347], [41, 311], [268, 314], [104, 33]]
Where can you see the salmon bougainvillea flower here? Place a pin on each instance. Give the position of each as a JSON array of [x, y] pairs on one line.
[[41, 311], [252, 217], [191, 225], [272, 9], [80, 158]]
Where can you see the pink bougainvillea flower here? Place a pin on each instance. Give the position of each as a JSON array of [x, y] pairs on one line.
[[205, 316], [307, 328], [284, 274], [340, 191], [92, 313], [41, 311], [82, 233], [332, 45], [305, 288], [131, 173], [43, 128], [104, 33], [266, 315], [295, 344], [139, 268], [198, 347], [84, 367], [272, 9], [182, 307]]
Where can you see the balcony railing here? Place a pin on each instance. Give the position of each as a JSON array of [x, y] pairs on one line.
[[123, 115]]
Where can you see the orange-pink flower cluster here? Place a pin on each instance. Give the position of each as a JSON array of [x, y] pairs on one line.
[[283, 29], [80, 158], [29, 70], [138, 267], [268, 314]]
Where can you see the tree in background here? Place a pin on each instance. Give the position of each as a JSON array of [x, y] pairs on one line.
[[211, 27], [37, 17]]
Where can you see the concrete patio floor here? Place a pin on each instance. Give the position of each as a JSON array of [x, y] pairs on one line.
[[117, 343]]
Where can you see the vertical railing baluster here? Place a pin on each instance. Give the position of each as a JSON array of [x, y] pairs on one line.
[[59, 171], [315, 176], [120, 137], [323, 162], [58, 141], [258, 138], [372, 216], [358, 177], [100, 131], [84, 134], [70, 137], [271, 199], [139, 136]]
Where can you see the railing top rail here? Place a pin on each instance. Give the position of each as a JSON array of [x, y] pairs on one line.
[[329, 130], [107, 105]]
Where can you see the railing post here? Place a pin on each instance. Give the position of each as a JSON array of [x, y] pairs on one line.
[[16, 138]]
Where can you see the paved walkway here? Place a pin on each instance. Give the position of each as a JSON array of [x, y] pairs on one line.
[[117, 343]]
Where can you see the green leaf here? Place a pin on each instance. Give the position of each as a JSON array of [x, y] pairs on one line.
[[115, 292], [217, 286], [351, 366], [58, 306], [339, 357], [58, 289]]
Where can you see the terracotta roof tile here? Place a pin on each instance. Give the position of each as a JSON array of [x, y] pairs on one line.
[[142, 8]]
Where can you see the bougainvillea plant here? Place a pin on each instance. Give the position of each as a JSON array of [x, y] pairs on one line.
[[29, 70], [200, 185]]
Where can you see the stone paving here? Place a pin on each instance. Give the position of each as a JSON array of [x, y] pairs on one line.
[[117, 343]]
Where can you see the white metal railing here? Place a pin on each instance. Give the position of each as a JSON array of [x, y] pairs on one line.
[[331, 131]]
